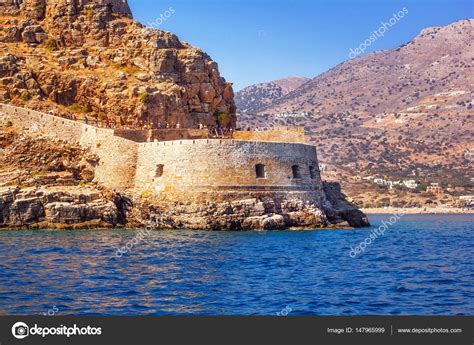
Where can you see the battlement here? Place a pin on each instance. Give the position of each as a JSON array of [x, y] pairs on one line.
[[277, 134], [274, 134]]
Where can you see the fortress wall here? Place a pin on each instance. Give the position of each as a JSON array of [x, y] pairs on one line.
[[118, 156], [161, 134], [200, 165], [118, 160], [225, 165], [277, 134]]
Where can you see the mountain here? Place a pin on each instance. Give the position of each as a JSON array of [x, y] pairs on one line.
[[90, 57], [256, 97], [438, 60], [401, 112]]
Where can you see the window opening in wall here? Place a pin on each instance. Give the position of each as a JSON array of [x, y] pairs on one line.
[[159, 170], [296, 171], [260, 171], [312, 172]]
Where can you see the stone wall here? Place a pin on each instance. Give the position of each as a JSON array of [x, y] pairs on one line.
[[277, 134], [118, 156], [142, 136], [179, 168]]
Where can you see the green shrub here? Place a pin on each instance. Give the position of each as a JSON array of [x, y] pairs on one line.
[[51, 44], [78, 108], [144, 98], [90, 13], [39, 8], [145, 194], [25, 96], [222, 118]]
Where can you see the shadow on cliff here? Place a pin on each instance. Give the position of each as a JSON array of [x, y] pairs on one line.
[[341, 208]]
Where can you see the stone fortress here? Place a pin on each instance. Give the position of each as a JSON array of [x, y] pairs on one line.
[[184, 163], [183, 166]]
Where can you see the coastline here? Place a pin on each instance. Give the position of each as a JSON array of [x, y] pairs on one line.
[[418, 210]]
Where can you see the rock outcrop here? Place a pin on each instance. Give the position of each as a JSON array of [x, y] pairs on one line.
[[260, 213], [90, 57], [44, 208], [85, 207]]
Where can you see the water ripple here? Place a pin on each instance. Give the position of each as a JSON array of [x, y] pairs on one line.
[[423, 266]]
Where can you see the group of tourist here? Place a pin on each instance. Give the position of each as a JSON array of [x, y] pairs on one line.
[[108, 122], [217, 131]]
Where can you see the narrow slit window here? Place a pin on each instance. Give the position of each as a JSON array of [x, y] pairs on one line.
[[296, 169], [260, 171], [312, 172], [159, 170]]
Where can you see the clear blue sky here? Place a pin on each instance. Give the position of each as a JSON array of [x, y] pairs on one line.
[[261, 40]]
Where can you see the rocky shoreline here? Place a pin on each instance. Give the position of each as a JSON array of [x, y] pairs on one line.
[[77, 207]]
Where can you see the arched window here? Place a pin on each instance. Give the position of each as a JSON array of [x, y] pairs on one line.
[[159, 170], [260, 171], [296, 171], [312, 172]]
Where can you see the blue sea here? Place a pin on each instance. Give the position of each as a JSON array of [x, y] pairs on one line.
[[422, 265]]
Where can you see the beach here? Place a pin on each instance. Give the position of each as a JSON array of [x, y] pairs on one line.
[[418, 210]]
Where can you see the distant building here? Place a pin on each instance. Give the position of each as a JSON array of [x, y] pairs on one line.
[[380, 181], [467, 200], [392, 184], [469, 154], [323, 167], [410, 184], [434, 190]]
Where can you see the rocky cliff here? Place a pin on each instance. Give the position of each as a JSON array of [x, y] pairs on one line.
[[89, 57]]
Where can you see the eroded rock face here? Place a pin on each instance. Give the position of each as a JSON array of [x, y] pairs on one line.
[[339, 208], [92, 56], [264, 213], [38, 208]]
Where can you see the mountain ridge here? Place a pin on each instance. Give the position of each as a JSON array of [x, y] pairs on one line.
[[401, 113], [263, 94], [449, 32]]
